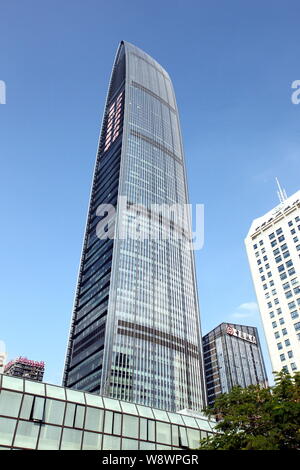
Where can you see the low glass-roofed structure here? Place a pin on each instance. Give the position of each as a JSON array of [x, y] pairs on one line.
[[35, 415]]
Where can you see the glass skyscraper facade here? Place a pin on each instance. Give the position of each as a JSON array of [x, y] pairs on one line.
[[135, 332], [232, 356]]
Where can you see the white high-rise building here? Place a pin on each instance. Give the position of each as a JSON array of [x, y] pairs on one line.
[[273, 248]]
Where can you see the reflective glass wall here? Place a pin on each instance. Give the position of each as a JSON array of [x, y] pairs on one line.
[[148, 326], [43, 416]]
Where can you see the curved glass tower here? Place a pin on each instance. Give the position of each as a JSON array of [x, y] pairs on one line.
[[135, 331]]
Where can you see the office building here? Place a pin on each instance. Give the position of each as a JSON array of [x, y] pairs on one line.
[[232, 356], [35, 415], [135, 332], [273, 249], [23, 367]]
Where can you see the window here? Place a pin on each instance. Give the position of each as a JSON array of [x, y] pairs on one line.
[[271, 236], [283, 276], [281, 321], [291, 271], [295, 239], [281, 268], [261, 242], [297, 290], [289, 263], [286, 254], [291, 305], [293, 231], [261, 270], [265, 286], [276, 301], [263, 278], [265, 258], [298, 247], [278, 259], [284, 331], [277, 334], [271, 314], [71, 439], [274, 324], [294, 314], [290, 354], [293, 366], [286, 285], [130, 426], [297, 219], [267, 266], [274, 292], [290, 223], [284, 247], [297, 326], [274, 243], [255, 247], [278, 310], [279, 231], [269, 305], [282, 357], [10, 403], [289, 294], [287, 342], [269, 274], [281, 239], [7, 429], [276, 252], [279, 346], [271, 283], [49, 437]]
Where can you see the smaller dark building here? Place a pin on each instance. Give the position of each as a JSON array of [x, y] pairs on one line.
[[232, 356], [23, 367]]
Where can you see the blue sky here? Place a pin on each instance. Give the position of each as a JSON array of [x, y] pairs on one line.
[[232, 64]]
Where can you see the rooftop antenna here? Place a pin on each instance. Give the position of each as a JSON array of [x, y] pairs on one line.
[[281, 192]]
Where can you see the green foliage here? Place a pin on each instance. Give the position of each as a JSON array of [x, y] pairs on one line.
[[255, 418]]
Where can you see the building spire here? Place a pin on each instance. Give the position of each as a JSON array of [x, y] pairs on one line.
[[281, 192]]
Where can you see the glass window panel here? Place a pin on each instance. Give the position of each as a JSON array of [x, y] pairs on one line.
[[55, 392], [189, 421], [151, 430], [92, 441], [129, 408], [38, 409], [27, 433], [7, 429], [10, 403], [145, 411], [143, 429], [108, 422], [94, 419], [70, 414], [130, 426], [71, 439], [163, 447], [183, 437], [13, 383], [111, 443], [79, 416], [93, 400], [175, 435], [175, 418], [74, 395], [111, 404], [130, 444], [161, 415], [27, 406], [117, 423], [49, 437], [37, 388], [163, 432], [147, 446], [193, 438], [203, 424], [54, 411]]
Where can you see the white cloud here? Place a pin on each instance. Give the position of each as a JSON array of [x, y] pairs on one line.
[[246, 310]]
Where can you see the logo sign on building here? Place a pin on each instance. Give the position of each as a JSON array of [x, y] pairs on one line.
[[240, 334]]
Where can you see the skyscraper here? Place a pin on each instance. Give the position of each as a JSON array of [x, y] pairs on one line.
[[232, 356], [135, 331], [273, 248], [23, 367]]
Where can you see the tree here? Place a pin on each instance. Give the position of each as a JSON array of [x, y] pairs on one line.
[[255, 418]]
